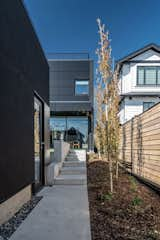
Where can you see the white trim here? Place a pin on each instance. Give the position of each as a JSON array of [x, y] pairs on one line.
[[82, 82]]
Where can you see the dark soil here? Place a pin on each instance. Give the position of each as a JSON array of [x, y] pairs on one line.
[[9, 227], [132, 212]]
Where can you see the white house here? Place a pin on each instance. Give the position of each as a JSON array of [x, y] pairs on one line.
[[139, 81]]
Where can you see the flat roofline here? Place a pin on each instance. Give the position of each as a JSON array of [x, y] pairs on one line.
[[68, 55], [54, 101], [71, 60]]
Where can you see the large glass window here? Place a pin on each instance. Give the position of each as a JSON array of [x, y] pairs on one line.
[[72, 129], [81, 126], [147, 105], [57, 128], [81, 87], [147, 75]]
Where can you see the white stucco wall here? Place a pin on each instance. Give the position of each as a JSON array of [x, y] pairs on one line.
[[134, 106]]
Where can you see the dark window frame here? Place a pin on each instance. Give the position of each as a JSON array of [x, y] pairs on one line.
[[144, 80], [83, 80]]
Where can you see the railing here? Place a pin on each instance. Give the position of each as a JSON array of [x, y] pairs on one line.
[[67, 56]]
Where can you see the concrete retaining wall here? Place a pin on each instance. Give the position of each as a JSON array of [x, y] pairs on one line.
[[61, 150]]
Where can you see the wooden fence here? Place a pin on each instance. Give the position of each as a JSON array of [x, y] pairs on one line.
[[140, 144]]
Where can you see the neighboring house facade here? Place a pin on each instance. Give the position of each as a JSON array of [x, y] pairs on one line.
[[71, 99], [139, 81], [24, 121]]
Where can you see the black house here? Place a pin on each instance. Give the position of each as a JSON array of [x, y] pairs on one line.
[[71, 98], [24, 104]]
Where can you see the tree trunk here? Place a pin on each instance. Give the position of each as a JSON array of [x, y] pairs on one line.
[[110, 172], [117, 169], [99, 154]]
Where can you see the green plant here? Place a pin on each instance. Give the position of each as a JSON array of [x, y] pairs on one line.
[[105, 197], [137, 201], [108, 196]]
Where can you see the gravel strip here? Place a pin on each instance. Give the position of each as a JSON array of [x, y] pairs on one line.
[[9, 227]]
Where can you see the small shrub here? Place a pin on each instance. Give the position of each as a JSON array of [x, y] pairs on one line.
[[105, 197], [108, 196], [137, 201]]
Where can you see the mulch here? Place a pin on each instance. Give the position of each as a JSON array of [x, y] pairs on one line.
[[132, 212]]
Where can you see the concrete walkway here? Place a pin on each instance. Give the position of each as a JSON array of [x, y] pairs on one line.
[[62, 214]]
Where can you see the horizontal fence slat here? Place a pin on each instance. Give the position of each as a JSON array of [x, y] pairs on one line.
[[140, 144]]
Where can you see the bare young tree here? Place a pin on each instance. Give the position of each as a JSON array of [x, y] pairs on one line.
[[99, 126], [113, 121], [103, 73], [107, 127]]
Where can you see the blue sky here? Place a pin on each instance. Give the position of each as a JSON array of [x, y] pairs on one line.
[[70, 25]]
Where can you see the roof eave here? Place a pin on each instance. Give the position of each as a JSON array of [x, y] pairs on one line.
[[134, 54]]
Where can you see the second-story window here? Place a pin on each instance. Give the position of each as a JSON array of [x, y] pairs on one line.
[[148, 75], [81, 87]]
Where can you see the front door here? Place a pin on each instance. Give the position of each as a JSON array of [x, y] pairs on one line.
[[38, 144]]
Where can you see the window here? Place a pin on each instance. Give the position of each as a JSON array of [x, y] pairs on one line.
[[147, 105], [147, 75], [72, 129], [81, 87]]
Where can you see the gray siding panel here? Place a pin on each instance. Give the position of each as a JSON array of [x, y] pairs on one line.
[[71, 107]]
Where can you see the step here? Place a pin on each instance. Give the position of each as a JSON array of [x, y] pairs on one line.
[[74, 164], [76, 156], [77, 150], [73, 170], [77, 153], [71, 179], [74, 159]]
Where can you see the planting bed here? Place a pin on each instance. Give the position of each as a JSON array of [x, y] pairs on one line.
[[132, 212]]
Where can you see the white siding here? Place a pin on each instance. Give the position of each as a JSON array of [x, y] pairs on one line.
[[134, 106], [128, 84], [148, 55], [129, 74]]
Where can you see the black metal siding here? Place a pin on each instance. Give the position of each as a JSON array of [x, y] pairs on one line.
[[63, 74], [23, 70]]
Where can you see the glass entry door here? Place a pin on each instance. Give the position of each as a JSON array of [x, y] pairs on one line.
[[38, 146]]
